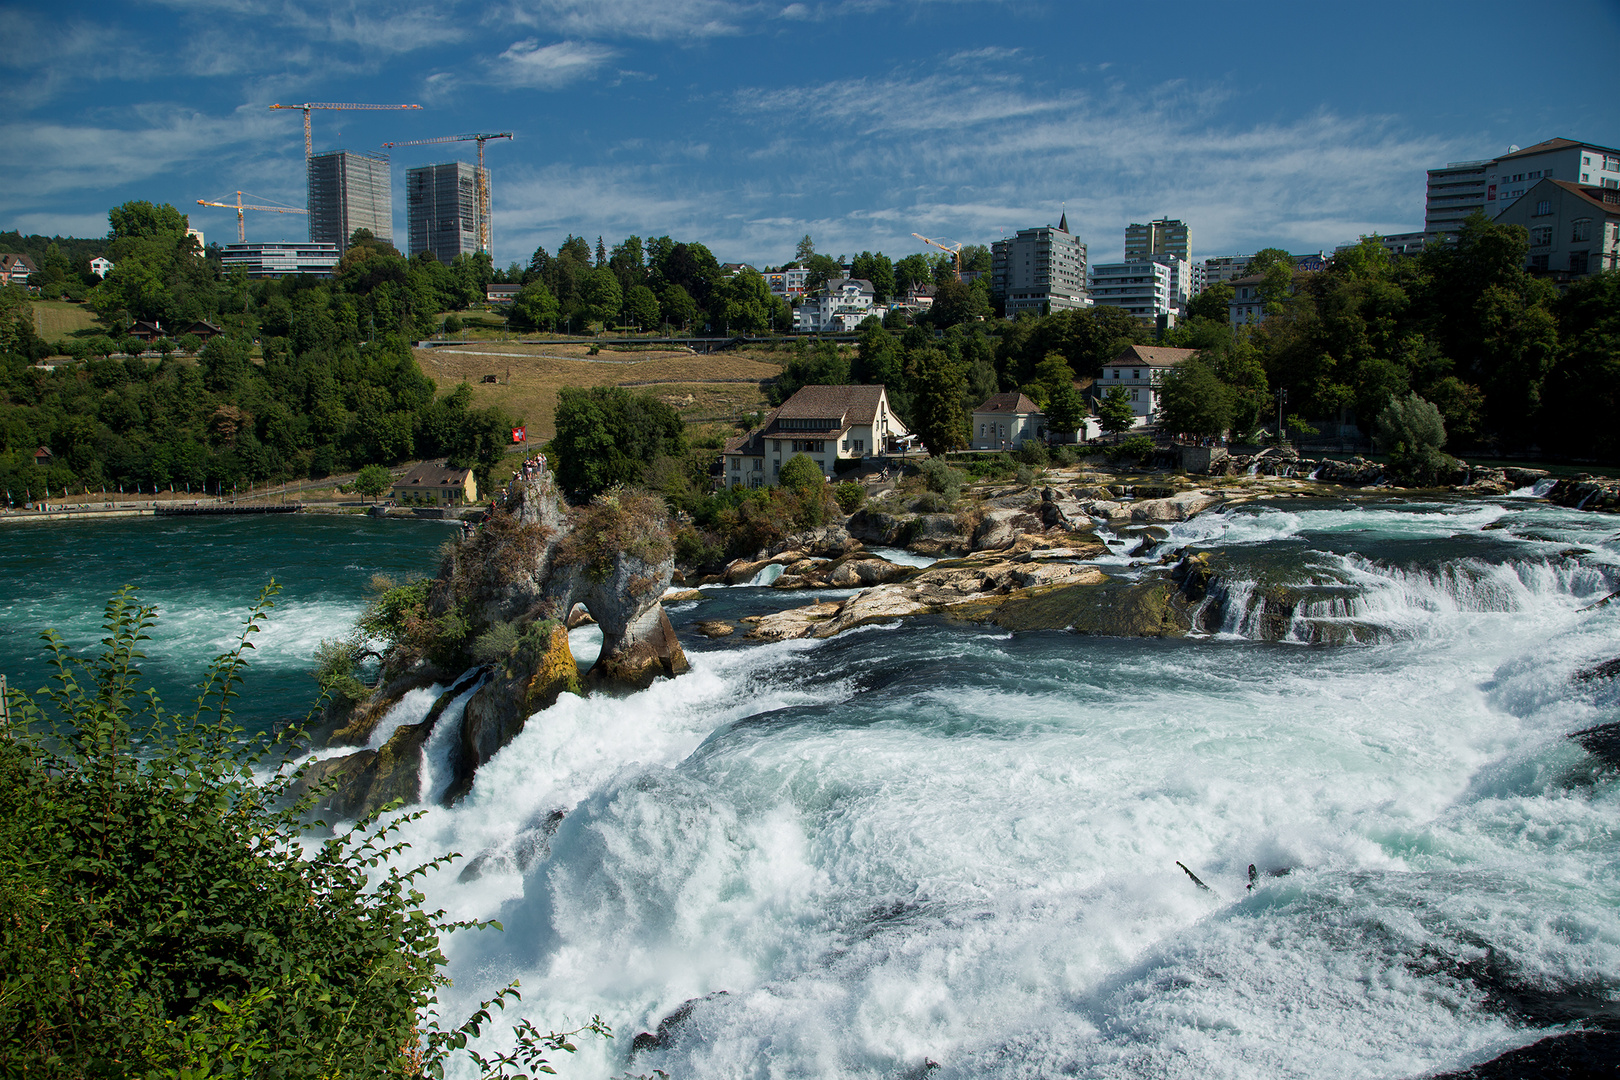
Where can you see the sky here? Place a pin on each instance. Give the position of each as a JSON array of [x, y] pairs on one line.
[[747, 124]]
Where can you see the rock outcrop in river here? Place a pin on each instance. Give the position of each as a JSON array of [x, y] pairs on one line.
[[498, 611]]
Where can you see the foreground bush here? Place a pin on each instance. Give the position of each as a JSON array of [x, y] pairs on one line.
[[165, 914]]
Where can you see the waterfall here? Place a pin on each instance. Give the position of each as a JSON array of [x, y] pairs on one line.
[[767, 574]]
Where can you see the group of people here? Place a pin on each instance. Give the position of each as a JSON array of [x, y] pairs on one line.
[[532, 466]]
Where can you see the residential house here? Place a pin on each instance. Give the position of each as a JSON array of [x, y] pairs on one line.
[[203, 329], [501, 294], [827, 423], [1139, 369], [42, 457], [1006, 422], [436, 483], [920, 296], [14, 269], [1246, 305], [1574, 228], [146, 331], [101, 266], [839, 307]]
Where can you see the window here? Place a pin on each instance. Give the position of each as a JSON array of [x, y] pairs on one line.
[[759, 464], [1136, 373], [1577, 262], [1541, 236], [1543, 208], [1586, 159], [1136, 395], [1610, 183], [1580, 230], [860, 446], [1611, 164], [736, 464], [1538, 262]]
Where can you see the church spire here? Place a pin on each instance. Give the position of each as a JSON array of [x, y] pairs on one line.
[[1063, 222]]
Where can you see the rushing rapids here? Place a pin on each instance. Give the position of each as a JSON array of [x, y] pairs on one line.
[[928, 843]]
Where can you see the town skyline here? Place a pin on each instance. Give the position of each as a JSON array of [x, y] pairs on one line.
[[747, 125]]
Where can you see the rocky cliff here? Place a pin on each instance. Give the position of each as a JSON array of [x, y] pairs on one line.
[[497, 611]]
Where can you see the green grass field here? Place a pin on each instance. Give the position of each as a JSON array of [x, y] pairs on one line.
[[57, 319]]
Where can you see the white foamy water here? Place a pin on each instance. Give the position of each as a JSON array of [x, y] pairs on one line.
[[928, 842]]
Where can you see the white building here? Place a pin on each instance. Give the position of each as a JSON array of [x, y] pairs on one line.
[[1494, 184], [1140, 369], [1246, 305], [839, 307], [1006, 422], [1145, 288], [1039, 270], [280, 260], [1574, 229], [100, 266], [788, 283], [826, 423]]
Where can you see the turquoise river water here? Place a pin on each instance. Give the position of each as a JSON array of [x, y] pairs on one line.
[[920, 842]]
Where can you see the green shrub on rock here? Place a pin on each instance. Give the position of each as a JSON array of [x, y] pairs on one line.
[[850, 496]]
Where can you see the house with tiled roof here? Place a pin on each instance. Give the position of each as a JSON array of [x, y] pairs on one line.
[[1006, 422], [436, 483], [839, 307], [827, 424], [1574, 228], [1139, 369], [14, 269]]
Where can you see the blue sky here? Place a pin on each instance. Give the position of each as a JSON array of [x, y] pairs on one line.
[[745, 124]]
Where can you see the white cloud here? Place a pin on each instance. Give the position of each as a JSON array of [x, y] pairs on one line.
[[973, 157], [528, 63], [662, 20], [117, 160]]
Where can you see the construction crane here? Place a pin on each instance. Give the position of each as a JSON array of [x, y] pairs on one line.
[[309, 143], [954, 251], [239, 206], [481, 178]]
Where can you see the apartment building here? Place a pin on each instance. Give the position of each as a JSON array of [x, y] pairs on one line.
[[1494, 184], [1039, 270], [1162, 237], [1143, 288]]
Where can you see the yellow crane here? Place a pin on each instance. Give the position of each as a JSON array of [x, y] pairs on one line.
[[481, 178], [309, 143], [954, 251], [239, 206]]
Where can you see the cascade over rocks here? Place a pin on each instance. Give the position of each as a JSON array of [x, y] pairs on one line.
[[503, 599]]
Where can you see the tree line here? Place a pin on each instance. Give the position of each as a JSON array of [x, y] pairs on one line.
[[1508, 362], [337, 388]]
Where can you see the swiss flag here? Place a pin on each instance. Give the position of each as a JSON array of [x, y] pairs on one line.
[[520, 434]]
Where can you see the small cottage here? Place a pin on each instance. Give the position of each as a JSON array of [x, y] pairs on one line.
[[436, 484]]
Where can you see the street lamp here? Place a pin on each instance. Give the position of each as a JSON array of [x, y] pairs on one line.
[[1282, 396]]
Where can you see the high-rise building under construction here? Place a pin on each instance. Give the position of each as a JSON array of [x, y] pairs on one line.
[[350, 190], [441, 209]]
